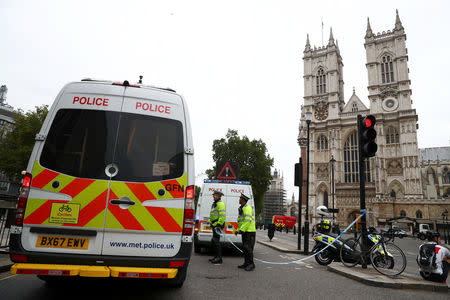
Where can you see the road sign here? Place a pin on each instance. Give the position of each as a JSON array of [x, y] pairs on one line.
[[227, 171]]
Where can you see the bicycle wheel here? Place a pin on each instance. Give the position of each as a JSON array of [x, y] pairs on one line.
[[388, 259], [350, 252]]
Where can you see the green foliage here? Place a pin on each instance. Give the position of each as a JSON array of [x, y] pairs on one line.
[[252, 158], [16, 146], [197, 194]]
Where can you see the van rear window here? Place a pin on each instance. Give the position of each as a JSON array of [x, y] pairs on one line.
[[81, 143]]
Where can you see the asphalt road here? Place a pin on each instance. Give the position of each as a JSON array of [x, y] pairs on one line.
[[294, 281]]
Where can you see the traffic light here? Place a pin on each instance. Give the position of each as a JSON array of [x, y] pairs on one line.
[[298, 174], [367, 136]]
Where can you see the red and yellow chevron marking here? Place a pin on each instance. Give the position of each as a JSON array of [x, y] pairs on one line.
[[92, 197]]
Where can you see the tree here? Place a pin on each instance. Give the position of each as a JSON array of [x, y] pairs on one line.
[[252, 158], [197, 194], [16, 146]]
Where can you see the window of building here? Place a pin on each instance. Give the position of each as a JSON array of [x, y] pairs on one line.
[[393, 194], [325, 199], [322, 143], [403, 213], [387, 69], [419, 214], [321, 83], [351, 160], [392, 136], [354, 107], [446, 176]]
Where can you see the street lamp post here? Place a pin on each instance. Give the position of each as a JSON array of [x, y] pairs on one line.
[[299, 237], [332, 161], [308, 117]]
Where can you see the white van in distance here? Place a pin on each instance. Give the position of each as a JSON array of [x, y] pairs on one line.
[[109, 187], [232, 191]]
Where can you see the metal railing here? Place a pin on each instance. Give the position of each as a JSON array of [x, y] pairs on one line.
[[7, 216]]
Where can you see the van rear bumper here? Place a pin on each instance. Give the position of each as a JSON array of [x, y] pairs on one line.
[[100, 260]]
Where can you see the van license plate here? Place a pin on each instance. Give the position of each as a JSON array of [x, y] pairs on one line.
[[62, 242], [207, 228]]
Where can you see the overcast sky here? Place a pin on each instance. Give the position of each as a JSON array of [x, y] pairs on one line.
[[238, 63]]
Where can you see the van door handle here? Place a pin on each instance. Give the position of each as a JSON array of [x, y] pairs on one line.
[[123, 200]]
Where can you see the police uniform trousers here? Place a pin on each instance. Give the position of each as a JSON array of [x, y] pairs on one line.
[[248, 243], [216, 243]]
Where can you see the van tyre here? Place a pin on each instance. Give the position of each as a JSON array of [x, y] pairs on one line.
[[421, 236], [197, 248], [178, 281]]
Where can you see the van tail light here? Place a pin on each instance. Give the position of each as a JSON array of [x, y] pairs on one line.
[[188, 221], [23, 198], [196, 227]]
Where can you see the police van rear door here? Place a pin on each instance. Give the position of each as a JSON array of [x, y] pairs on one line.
[[65, 211], [146, 200]]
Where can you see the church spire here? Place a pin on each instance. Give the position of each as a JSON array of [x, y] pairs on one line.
[[398, 23], [331, 39], [307, 46], [369, 32]]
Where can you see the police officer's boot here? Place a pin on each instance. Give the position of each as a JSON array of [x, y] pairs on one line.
[[243, 266], [217, 260], [250, 267]]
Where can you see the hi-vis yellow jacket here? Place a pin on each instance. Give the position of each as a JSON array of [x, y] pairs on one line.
[[218, 214], [246, 221]]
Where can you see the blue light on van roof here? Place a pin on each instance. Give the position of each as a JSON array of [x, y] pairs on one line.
[[225, 181]]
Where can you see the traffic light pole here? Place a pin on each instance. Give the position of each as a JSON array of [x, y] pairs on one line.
[[299, 231], [362, 194]]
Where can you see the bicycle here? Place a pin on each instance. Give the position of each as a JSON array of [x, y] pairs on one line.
[[385, 257]]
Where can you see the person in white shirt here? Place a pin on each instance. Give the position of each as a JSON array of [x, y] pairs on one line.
[[440, 273]]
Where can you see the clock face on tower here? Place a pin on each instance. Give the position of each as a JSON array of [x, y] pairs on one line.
[[321, 112]]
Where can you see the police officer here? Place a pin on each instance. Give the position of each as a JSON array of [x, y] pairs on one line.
[[217, 220], [246, 227]]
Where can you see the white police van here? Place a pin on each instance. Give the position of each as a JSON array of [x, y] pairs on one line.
[[232, 191], [109, 187]]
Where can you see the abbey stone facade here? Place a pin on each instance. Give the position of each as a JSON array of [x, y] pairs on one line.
[[397, 180]]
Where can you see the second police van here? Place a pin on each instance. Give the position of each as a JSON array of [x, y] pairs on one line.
[[232, 191], [109, 187]]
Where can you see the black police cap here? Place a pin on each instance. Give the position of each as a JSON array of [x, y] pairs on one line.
[[244, 197]]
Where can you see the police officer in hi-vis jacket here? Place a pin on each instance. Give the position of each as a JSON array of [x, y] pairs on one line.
[[246, 227], [217, 220]]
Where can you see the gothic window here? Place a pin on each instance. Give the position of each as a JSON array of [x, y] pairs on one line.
[[392, 136], [354, 107], [387, 70], [419, 214], [322, 143], [321, 83], [393, 194], [446, 176], [325, 199], [351, 160], [403, 213]]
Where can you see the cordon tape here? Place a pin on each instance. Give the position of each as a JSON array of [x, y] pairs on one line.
[[297, 260]]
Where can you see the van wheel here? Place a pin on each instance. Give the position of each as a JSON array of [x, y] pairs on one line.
[[197, 248], [421, 236], [178, 281]]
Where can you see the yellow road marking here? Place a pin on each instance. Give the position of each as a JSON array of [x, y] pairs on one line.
[[10, 276]]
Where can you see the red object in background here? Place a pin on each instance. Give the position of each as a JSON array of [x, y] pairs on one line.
[[287, 221]]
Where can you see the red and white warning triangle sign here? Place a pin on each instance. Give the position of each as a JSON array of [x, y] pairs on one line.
[[227, 172]]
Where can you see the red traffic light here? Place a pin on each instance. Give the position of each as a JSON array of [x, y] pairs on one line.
[[369, 121]]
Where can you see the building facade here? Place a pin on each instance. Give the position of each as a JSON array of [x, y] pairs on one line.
[[274, 198], [394, 177]]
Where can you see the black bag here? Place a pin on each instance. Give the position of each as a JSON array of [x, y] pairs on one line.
[[427, 257]]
